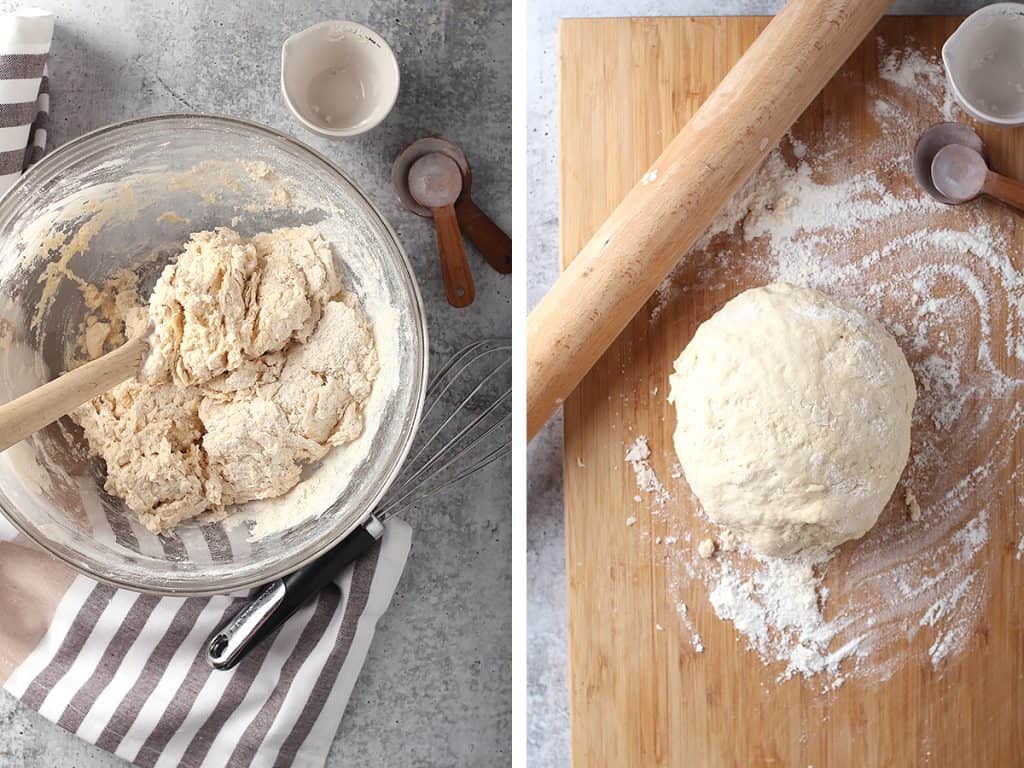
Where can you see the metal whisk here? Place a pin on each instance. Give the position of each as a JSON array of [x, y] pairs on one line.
[[466, 425]]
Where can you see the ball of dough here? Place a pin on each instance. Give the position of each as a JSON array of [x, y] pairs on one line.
[[793, 418]]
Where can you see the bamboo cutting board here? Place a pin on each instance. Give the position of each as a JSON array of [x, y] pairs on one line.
[[640, 694]]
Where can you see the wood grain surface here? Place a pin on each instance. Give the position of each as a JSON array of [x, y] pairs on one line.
[[641, 696], [699, 169]]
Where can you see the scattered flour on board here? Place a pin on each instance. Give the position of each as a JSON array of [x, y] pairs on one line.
[[638, 456], [940, 278], [778, 609], [920, 75], [695, 639]]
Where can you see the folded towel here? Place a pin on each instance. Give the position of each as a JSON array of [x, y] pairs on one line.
[[24, 90], [128, 673]]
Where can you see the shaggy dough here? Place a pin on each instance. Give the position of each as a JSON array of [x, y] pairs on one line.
[[228, 300], [793, 418], [259, 364]]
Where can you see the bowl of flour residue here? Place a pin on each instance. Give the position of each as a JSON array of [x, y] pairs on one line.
[[984, 62], [89, 233]]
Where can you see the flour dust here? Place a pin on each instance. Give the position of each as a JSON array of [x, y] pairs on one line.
[[855, 226]]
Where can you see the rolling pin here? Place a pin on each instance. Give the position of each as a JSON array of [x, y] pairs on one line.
[[705, 164], [45, 404]]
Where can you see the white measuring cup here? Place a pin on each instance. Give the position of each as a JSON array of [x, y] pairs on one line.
[[984, 62], [339, 78]]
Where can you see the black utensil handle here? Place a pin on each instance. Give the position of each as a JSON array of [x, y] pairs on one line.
[[274, 603]]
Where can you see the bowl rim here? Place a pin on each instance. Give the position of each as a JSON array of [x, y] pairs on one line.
[[418, 311]]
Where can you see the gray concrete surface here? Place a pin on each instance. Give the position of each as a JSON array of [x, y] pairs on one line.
[[436, 689], [547, 694]]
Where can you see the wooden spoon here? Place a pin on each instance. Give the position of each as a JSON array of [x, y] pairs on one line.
[[961, 174], [34, 410], [435, 182]]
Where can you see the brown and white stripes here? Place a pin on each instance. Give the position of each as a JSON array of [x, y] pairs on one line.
[[127, 672], [25, 39]]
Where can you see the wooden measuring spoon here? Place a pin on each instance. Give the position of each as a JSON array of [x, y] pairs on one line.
[[492, 242], [961, 174], [490, 239], [34, 410], [929, 144], [435, 183]]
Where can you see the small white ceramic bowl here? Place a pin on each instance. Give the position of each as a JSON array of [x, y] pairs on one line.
[[339, 78], [984, 62]]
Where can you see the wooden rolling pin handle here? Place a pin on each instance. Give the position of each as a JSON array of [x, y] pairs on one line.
[[458, 279], [622, 265], [492, 242], [34, 410], [1004, 189]]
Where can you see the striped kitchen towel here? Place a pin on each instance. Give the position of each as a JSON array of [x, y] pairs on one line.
[[24, 90], [128, 672]]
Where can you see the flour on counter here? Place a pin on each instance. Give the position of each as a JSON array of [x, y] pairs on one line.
[[778, 611], [727, 540], [695, 638], [920, 75], [638, 456], [913, 507], [856, 226]]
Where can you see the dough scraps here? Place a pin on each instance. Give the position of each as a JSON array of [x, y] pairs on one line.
[[259, 364]]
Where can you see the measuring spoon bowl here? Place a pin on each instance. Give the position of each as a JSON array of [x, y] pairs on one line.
[[928, 146]]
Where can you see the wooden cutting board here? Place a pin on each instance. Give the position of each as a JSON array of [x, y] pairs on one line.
[[640, 695]]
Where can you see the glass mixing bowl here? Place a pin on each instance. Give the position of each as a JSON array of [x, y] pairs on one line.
[[129, 195]]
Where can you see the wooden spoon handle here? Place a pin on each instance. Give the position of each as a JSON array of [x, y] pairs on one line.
[[492, 242], [34, 410], [1004, 189], [458, 279]]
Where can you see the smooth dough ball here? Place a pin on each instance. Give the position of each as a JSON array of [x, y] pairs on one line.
[[793, 418]]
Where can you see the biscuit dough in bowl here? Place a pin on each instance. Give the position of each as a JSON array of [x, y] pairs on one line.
[[260, 363], [793, 418]]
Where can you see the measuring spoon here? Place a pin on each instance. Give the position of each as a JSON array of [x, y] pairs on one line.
[[961, 174], [492, 242], [435, 182], [929, 144]]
